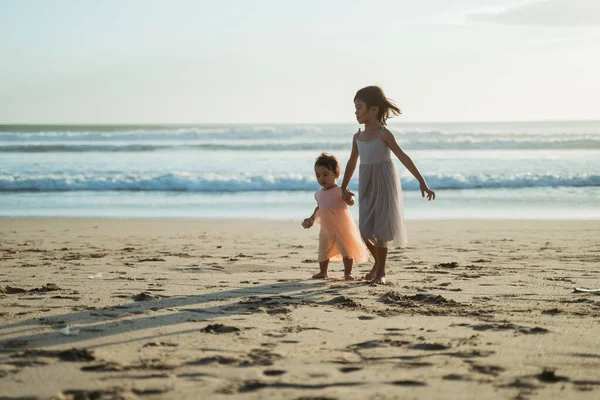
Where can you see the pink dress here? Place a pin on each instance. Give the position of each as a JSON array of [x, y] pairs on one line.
[[339, 237]]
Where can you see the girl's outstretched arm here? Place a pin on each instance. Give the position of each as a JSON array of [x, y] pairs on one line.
[[350, 167], [389, 139]]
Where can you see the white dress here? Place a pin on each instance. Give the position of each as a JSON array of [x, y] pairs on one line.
[[381, 213]]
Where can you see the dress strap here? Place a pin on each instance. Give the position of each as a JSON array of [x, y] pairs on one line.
[[381, 131]]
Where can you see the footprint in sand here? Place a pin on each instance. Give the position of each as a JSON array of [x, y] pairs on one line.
[[274, 372], [492, 370], [216, 359], [346, 370], [366, 317], [428, 346], [408, 383], [160, 344], [456, 377], [508, 326]]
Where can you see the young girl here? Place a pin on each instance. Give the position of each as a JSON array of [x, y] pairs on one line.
[[379, 191], [339, 238]]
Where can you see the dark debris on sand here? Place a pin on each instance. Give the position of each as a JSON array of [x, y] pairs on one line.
[[549, 375], [450, 265], [343, 301], [145, 296], [258, 357], [109, 366], [220, 328], [428, 346], [73, 354], [48, 287], [115, 393], [256, 303], [396, 298], [509, 326], [153, 259], [427, 304], [160, 344]]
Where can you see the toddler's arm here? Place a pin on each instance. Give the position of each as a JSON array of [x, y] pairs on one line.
[[308, 222]]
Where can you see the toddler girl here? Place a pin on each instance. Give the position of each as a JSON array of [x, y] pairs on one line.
[[339, 238]]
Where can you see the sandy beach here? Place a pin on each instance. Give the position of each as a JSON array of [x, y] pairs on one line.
[[224, 309]]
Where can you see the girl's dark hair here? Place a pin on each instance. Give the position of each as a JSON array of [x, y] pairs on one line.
[[328, 161], [373, 96]]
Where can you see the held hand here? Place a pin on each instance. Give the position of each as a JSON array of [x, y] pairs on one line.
[[349, 201], [308, 222], [347, 195], [425, 189]]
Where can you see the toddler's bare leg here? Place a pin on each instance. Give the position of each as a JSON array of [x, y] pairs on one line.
[[323, 265]]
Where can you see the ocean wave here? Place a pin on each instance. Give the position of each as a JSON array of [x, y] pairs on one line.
[[80, 148], [131, 131], [84, 148], [182, 182], [158, 133], [452, 143]]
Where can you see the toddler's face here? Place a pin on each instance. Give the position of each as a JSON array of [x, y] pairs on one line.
[[325, 177]]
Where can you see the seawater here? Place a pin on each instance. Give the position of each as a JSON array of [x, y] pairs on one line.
[[541, 170]]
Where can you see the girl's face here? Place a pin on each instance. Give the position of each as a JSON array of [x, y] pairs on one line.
[[363, 113], [325, 177]]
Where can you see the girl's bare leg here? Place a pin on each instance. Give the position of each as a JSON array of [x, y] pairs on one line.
[[371, 248], [323, 265], [379, 277], [348, 269]]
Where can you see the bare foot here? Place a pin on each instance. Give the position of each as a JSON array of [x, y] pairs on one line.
[[320, 275], [371, 274], [378, 280], [349, 277]]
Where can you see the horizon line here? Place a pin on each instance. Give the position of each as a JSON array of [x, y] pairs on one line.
[[99, 124]]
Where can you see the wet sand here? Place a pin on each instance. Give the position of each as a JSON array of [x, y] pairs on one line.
[[189, 309]]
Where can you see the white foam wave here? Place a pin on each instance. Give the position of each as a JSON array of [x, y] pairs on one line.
[[431, 142], [213, 182]]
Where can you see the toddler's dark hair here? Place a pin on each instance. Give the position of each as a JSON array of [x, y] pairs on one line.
[[328, 161], [373, 96]]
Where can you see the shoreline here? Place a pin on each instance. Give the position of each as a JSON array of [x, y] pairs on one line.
[[234, 220]]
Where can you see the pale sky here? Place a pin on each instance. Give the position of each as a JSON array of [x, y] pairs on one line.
[[292, 61]]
